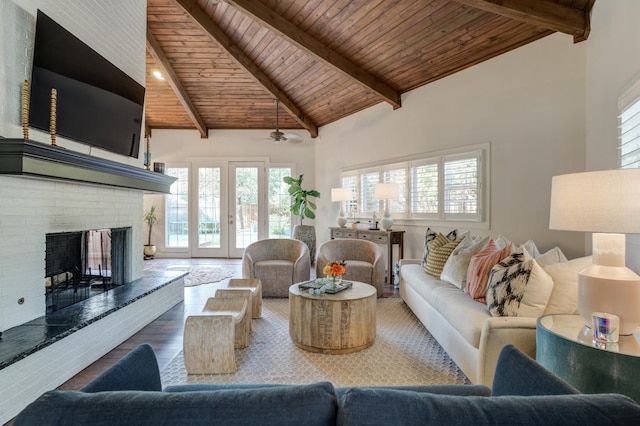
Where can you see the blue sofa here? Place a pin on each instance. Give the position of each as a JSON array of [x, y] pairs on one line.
[[523, 392]]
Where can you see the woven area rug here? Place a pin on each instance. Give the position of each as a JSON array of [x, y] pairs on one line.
[[202, 274], [404, 353]]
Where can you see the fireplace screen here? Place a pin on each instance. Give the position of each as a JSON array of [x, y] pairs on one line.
[[83, 264]]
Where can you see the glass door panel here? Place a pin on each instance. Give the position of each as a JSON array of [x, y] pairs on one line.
[[247, 201], [209, 235]]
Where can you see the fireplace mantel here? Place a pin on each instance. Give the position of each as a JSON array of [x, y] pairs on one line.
[[31, 158]]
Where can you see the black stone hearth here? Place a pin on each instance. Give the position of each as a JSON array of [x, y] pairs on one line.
[[19, 342]]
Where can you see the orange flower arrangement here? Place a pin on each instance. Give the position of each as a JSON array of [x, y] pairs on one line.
[[335, 269]]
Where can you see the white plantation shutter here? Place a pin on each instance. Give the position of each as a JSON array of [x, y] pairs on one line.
[[629, 128], [462, 186], [397, 175], [447, 187], [424, 188], [351, 181], [367, 192]]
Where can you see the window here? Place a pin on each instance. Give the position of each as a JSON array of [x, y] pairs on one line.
[[629, 128], [446, 187], [279, 201], [177, 209]]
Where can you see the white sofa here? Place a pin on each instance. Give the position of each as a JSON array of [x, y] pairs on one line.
[[466, 329]]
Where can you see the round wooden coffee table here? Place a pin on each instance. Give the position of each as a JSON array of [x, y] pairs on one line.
[[338, 323]]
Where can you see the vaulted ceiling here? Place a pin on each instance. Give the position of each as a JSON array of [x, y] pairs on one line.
[[225, 62]]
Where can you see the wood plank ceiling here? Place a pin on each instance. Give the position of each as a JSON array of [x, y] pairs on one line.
[[224, 62]]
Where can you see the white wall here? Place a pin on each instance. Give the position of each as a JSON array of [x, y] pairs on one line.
[[178, 146], [529, 104], [30, 208], [613, 64]]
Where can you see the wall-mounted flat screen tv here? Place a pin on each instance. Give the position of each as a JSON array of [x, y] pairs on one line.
[[97, 103]]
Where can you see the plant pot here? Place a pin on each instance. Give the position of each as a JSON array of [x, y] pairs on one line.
[[306, 234], [149, 251]]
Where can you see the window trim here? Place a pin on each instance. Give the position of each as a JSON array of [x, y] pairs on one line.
[[480, 220]]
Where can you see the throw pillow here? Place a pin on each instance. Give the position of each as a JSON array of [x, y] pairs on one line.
[[564, 297], [550, 257], [440, 251], [480, 267], [455, 270], [518, 287], [431, 235], [531, 248]]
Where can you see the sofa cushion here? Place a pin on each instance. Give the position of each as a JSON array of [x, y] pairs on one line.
[[532, 378], [564, 297], [138, 370], [441, 249], [518, 286], [361, 406], [480, 267], [313, 404], [455, 269]]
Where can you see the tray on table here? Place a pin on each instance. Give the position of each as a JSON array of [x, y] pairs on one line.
[[315, 284]]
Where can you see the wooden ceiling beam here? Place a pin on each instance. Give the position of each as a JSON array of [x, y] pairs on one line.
[[194, 11], [167, 71], [258, 11], [544, 14]]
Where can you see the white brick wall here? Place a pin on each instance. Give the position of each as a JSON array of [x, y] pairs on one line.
[[31, 208], [50, 367]]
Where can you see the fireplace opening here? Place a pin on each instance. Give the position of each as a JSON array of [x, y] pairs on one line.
[[83, 264]]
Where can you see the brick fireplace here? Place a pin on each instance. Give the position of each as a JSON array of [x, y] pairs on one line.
[[33, 208]]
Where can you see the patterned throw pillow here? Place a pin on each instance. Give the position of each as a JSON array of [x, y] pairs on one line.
[[518, 287], [440, 251], [429, 236], [480, 267]]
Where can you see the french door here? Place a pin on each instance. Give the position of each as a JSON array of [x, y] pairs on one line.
[[230, 207]]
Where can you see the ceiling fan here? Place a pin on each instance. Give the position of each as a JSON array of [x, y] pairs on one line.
[[279, 136]]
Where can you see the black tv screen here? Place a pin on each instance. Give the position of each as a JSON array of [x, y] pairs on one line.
[[97, 103]]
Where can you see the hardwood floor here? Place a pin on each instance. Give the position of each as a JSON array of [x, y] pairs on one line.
[[165, 333]]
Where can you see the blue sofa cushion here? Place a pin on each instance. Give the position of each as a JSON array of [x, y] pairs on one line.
[[358, 406], [308, 405], [459, 390], [138, 370], [518, 374]]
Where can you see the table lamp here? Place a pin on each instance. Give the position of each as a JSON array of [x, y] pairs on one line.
[[386, 192], [607, 203], [340, 195]]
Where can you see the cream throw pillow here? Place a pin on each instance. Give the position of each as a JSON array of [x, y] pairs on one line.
[[455, 270], [564, 297]]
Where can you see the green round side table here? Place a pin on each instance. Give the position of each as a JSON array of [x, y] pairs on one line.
[[565, 347]]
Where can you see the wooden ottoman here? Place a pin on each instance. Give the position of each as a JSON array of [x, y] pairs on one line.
[[209, 338], [255, 285]]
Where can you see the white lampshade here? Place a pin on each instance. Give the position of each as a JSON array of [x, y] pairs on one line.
[[387, 191], [603, 201], [341, 194]]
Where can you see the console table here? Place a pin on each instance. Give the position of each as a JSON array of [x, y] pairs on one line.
[[565, 346], [387, 238]]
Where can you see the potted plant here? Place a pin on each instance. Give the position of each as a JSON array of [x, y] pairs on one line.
[[303, 207], [150, 218]]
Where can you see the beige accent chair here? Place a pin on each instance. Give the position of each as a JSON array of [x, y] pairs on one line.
[[365, 260], [278, 263]]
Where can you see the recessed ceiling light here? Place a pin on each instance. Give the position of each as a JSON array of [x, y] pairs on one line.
[[158, 75]]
